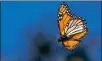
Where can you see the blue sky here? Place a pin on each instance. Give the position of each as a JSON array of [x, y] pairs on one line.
[[42, 17]]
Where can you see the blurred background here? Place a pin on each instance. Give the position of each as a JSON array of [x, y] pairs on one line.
[[29, 32]]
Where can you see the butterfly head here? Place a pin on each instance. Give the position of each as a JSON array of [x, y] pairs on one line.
[[62, 38]]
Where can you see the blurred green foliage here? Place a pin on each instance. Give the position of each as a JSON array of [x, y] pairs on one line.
[[76, 58]]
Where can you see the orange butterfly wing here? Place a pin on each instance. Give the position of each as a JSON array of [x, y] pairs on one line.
[[80, 35], [70, 44], [74, 41], [63, 17]]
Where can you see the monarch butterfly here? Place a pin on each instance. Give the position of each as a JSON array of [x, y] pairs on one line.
[[71, 27]]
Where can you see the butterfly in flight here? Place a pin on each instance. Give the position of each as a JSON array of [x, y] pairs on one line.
[[71, 27]]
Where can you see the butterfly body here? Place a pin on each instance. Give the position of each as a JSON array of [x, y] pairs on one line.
[[71, 27]]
